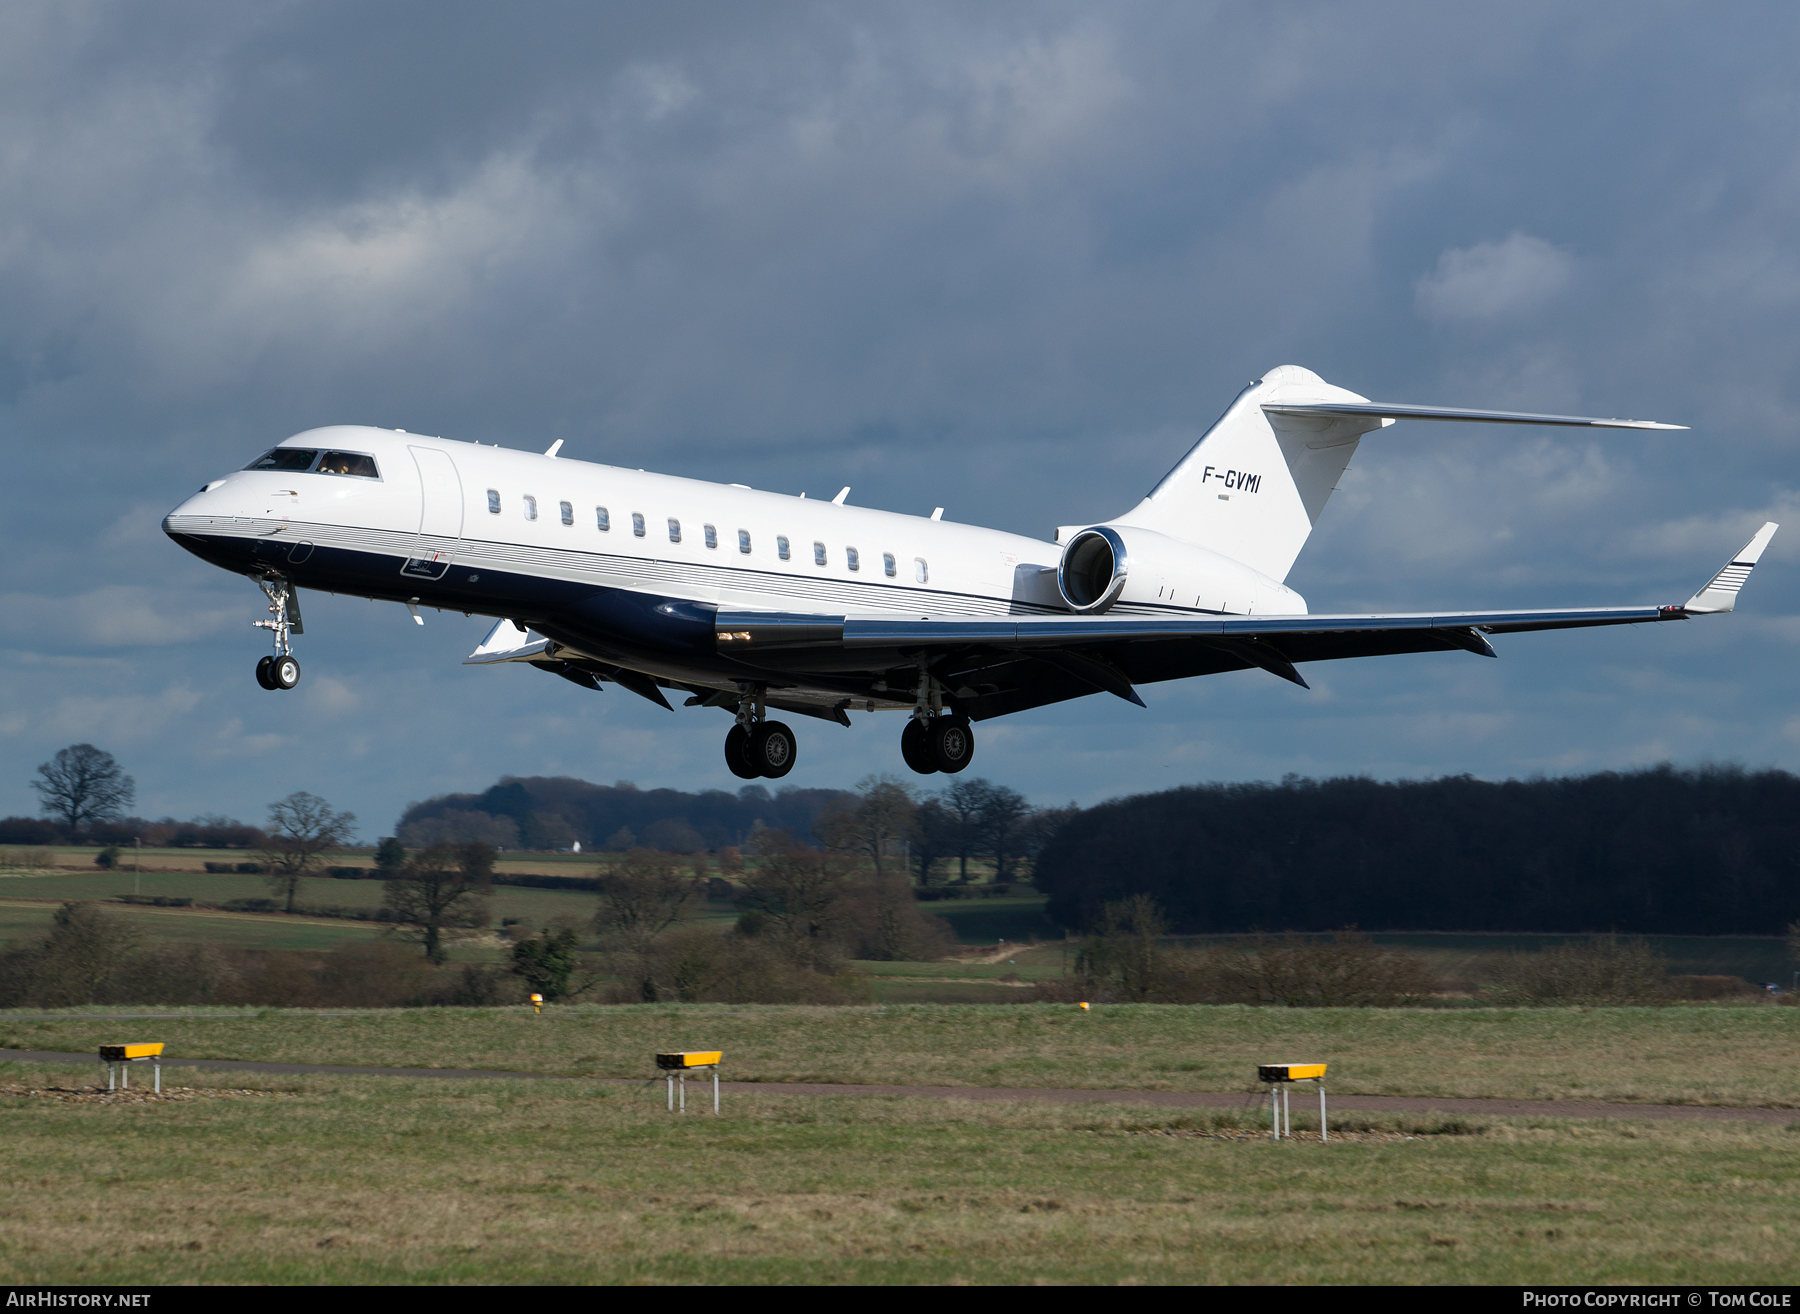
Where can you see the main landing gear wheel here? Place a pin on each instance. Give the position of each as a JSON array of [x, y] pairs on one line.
[[263, 677], [952, 743], [915, 750], [735, 755], [285, 672], [772, 749]]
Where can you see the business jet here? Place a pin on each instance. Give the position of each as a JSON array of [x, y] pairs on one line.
[[753, 601]]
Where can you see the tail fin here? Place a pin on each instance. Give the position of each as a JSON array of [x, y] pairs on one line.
[[1253, 486]]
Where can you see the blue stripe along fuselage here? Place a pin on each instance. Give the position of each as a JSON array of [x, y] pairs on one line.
[[666, 636]]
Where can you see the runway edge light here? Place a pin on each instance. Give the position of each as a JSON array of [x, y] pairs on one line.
[[119, 1058], [1290, 1071], [1280, 1078], [675, 1066]]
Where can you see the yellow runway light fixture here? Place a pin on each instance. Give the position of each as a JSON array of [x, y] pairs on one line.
[[1082, 1006], [537, 1005], [1291, 1072], [1280, 1078], [677, 1065], [119, 1058]]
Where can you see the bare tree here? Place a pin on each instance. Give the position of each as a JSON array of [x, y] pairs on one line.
[[82, 785], [934, 837], [301, 827], [881, 818], [1004, 826], [803, 894], [641, 896], [443, 886], [79, 960], [962, 800], [1125, 951]]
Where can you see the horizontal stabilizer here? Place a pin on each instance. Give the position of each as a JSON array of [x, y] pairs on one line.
[[1398, 411], [1720, 593], [506, 642]]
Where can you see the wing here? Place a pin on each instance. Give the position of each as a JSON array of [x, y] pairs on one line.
[[995, 665]]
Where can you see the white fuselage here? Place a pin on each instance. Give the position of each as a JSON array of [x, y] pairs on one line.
[[937, 567], [499, 532]]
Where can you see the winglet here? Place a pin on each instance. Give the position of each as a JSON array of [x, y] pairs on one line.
[[1720, 593]]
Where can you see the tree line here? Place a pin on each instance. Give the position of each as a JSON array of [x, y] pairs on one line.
[[557, 812], [85, 795], [804, 913], [1706, 851]]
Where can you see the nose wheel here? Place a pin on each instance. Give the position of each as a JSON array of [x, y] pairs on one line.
[[279, 670]]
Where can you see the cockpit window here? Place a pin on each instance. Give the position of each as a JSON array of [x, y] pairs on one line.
[[285, 458], [349, 463]]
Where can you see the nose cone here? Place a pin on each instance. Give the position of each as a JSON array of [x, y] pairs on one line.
[[211, 502], [207, 524]]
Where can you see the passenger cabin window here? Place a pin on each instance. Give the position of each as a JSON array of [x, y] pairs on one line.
[[887, 564], [744, 541], [603, 520], [921, 571], [674, 530], [568, 513], [818, 554], [712, 536], [781, 546], [637, 523], [285, 458], [349, 463], [530, 507], [851, 559], [493, 501]]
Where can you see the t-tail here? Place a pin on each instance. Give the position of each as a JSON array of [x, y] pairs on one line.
[[1256, 483]]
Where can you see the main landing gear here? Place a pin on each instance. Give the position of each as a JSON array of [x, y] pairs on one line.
[[756, 745], [933, 739], [280, 670]]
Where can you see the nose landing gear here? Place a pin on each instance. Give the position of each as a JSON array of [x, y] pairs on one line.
[[280, 670], [757, 746]]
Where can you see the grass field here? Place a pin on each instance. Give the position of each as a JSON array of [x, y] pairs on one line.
[[366, 1180], [22, 921], [507, 900], [81, 858], [1745, 1055]]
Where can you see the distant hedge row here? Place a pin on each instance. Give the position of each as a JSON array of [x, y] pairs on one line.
[[1714, 851]]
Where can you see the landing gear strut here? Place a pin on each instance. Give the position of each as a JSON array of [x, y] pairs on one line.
[[933, 739], [757, 746], [280, 670]]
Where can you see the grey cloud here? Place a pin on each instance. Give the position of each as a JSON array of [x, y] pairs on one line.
[[1494, 280], [1010, 259]]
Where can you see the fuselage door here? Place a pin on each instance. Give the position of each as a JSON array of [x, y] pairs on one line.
[[440, 514]]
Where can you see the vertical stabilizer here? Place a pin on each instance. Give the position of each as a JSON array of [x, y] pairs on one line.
[[1252, 488]]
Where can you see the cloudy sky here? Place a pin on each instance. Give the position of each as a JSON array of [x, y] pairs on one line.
[[1008, 259]]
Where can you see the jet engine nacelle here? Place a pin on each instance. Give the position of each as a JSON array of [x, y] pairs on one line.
[[1105, 565]]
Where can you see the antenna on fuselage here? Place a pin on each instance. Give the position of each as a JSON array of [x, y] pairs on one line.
[[554, 448], [842, 494]]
